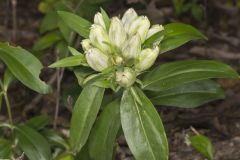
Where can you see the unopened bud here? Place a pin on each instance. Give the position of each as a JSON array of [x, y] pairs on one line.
[[140, 26], [99, 38], [98, 19], [129, 16], [86, 44], [125, 78], [117, 34], [97, 60], [132, 47], [146, 59], [119, 60]]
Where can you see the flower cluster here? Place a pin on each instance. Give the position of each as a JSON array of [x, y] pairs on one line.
[[121, 45]]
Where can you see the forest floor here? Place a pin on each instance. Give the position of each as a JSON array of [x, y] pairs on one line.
[[219, 120]]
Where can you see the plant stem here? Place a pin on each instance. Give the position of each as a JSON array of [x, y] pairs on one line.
[[8, 108]]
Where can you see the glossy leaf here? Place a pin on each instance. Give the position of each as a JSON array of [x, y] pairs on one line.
[[84, 115], [103, 135], [46, 41], [38, 122], [177, 34], [188, 95], [5, 148], [76, 23], [155, 37], [24, 66], [142, 126], [203, 145], [70, 62], [33, 144], [172, 74], [54, 138]]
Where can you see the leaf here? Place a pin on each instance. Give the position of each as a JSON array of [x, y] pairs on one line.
[[203, 145], [172, 74], [84, 114], [65, 156], [155, 37], [74, 51], [65, 30], [7, 79], [46, 41], [38, 122], [103, 135], [5, 148], [24, 66], [142, 126], [70, 62], [189, 95], [49, 22], [54, 138], [177, 34], [82, 73], [106, 19], [76, 23], [33, 144], [1, 99]]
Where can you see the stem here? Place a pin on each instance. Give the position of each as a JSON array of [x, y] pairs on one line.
[[7, 103], [8, 108]]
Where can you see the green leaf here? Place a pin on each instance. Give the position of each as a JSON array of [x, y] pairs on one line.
[[142, 126], [74, 51], [188, 95], [76, 23], [103, 135], [203, 145], [84, 114], [70, 62], [49, 22], [155, 37], [38, 122], [5, 148], [54, 138], [24, 66], [7, 79], [106, 19], [172, 74], [46, 41], [177, 34], [33, 144], [82, 73], [1, 99], [65, 30]]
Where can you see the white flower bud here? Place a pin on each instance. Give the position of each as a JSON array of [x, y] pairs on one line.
[[129, 16], [99, 38], [146, 59], [132, 47], [119, 60], [140, 26], [154, 29], [86, 44], [125, 78], [97, 60], [98, 19], [117, 34]]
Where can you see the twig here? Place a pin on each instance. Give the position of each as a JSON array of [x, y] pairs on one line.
[[194, 130]]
